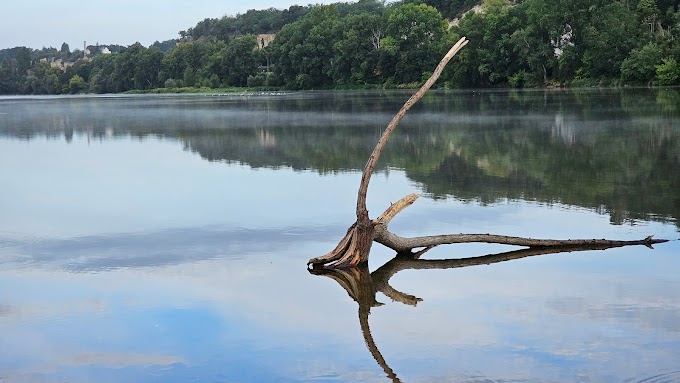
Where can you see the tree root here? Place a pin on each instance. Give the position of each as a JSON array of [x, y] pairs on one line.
[[353, 248]]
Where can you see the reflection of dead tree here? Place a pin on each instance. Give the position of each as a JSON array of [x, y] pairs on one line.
[[357, 281], [362, 286], [354, 248]]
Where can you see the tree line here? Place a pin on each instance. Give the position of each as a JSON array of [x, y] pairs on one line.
[[370, 43]]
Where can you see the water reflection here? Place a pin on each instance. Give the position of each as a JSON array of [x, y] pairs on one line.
[[362, 285], [124, 258], [614, 151], [130, 251]]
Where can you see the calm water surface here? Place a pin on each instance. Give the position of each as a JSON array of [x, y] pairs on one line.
[[164, 238]]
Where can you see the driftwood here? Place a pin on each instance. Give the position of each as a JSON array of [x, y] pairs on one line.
[[354, 248], [362, 285]]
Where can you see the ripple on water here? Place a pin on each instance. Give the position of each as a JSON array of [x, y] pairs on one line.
[[665, 377]]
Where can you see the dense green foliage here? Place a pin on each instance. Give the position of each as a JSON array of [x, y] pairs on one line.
[[449, 8], [370, 44]]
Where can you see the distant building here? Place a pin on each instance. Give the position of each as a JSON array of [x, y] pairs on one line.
[[93, 50], [60, 64], [57, 63], [264, 40]]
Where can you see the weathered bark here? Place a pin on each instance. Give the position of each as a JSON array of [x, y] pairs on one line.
[[355, 246], [405, 245], [401, 244]]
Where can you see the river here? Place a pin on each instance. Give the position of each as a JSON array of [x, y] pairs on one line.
[[165, 238]]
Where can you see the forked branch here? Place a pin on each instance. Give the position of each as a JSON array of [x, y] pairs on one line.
[[373, 159]]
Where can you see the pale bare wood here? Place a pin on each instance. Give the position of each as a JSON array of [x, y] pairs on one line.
[[395, 209], [375, 155], [401, 244], [336, 253]]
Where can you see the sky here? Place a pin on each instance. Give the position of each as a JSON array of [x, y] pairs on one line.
[[49, 23]]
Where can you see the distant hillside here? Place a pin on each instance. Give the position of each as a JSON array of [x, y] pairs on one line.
[[378, 44], [252, 22], [269, 21], [450, 9]]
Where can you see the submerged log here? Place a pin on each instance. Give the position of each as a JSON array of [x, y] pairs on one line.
[[401, 244]]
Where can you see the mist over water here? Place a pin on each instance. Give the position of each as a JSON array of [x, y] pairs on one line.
[[164, 238]]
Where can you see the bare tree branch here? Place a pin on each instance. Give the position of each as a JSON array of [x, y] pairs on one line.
[[401, 244], [405, 245], [373, 159], [395, 209]]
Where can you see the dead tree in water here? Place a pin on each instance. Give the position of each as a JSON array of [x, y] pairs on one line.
[[355, 246]]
